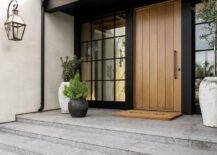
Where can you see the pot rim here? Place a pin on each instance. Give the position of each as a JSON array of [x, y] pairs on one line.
[[211, 79], [79, 100]]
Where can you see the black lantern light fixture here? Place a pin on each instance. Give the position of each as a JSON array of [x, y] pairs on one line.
[[14, 25]]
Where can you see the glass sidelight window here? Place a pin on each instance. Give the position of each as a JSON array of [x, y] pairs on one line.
[[103, 50], [205, 53]]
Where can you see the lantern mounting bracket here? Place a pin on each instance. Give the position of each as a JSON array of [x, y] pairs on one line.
[[15, 6]]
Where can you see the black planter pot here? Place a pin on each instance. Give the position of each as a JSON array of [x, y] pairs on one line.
[[78, 108]]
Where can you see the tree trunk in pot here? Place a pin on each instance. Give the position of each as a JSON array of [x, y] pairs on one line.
[[208, 101], [63, 101]]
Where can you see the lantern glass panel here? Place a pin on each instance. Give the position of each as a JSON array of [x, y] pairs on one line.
[[18, 31], [9, 31], [15, 27]]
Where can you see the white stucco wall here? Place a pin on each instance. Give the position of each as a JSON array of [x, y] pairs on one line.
[[59, 43], [20, 61]]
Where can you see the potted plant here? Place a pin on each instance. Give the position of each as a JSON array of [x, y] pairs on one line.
[[69, 67], [77, 92], [208, 87]]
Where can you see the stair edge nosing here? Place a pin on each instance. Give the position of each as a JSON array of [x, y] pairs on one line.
[[146, 136], [17, 149], [78, 144]]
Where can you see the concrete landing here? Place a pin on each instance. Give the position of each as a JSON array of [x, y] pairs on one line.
[[101, 133], [187, 127]]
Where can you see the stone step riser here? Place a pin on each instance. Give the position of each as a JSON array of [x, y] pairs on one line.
[[132, 135], [17, 150], [71, 143]]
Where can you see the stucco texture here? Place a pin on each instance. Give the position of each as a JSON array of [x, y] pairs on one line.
[[20, 61]]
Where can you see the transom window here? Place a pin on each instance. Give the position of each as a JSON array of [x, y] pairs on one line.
[[103, 50], [205, 53]]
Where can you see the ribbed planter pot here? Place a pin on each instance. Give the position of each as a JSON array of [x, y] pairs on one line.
[[63, 101], [208, 101], [78, 108]]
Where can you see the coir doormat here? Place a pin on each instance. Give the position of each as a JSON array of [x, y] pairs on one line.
[[155, 115]]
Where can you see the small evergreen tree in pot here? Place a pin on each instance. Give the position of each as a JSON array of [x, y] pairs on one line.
[[77, 92]]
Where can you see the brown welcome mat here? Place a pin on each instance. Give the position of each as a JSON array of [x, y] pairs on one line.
[[156, 115]]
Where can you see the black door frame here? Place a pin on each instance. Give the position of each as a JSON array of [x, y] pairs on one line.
[[129, 49], [188, 55]]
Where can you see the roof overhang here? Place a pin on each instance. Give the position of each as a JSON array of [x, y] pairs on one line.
[[88, 7], [57, 5]]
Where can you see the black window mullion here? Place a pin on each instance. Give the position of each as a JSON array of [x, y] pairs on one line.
[[215, 58], [102, 61], [114, 59], [203, 50], [120, 58], [104, 38], [91, 63]]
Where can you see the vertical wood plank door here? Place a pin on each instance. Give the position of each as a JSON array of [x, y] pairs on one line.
[[157, 57]]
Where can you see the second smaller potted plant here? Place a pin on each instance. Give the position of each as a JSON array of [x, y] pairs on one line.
[[77, 92], [69, 66]]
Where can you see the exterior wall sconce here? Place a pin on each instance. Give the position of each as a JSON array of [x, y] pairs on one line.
[[14, 25]]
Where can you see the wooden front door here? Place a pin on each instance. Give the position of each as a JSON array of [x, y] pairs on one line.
[[157, 57]]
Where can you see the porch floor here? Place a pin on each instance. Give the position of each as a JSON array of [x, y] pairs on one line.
[[51, 132], [184, 127]]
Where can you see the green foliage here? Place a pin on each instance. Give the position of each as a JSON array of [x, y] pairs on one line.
[[209, 10], [208, 13], [76, 89], [201, 68], [69, 67]]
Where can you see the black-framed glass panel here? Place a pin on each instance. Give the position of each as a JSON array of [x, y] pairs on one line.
[[97, 50], [120, 44], [97, 29], [97, 70], [89, 96], [86, 32], [120, 90], [104, 59], [120, 24], [108, 27], [108, 48], [120, 69], [97, 90], [200, 58], [86, 71], [202, 30], [108, 69], [108, 91], [86, 51], [205, 53], [210, 63]]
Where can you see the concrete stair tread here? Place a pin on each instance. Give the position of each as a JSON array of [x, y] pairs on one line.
[[5, 152], [69, 135], [15, 144], [173, 134], [168, 149], [184, 140], [62, 135]]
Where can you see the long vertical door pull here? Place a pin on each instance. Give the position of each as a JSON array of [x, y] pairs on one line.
[[175, 64]]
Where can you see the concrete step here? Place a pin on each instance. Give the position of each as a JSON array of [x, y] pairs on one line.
[[11, 144], [182, 140], [100, 142], [5, 152]]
